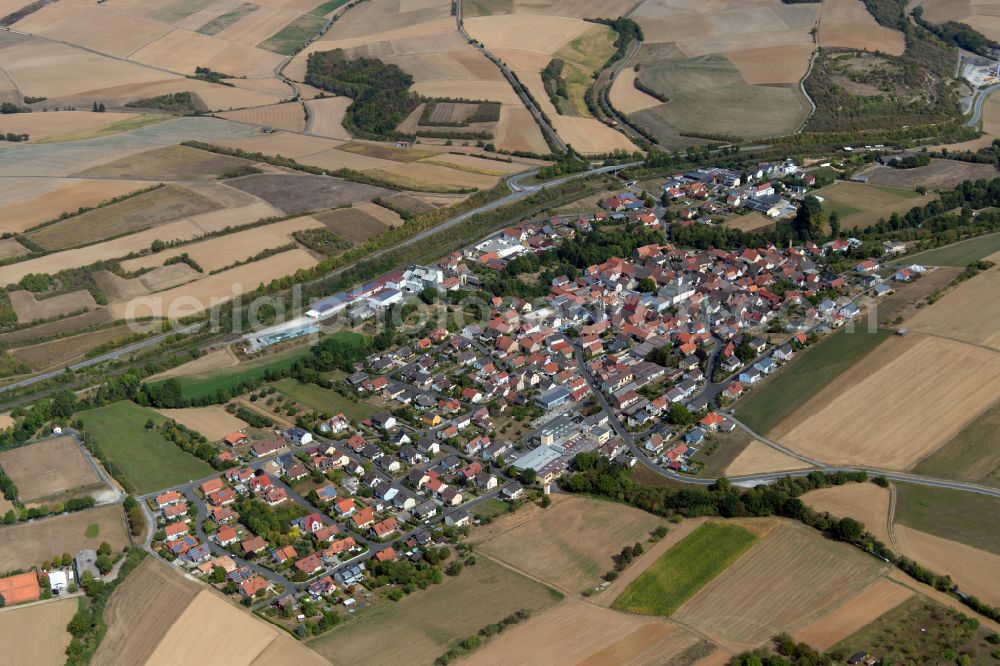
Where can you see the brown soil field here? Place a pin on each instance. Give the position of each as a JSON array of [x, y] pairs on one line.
[[202, 294], [168, 163], [183, 50], [222, 251], [866, 502], [789, 579], [42, 331], [138, 242], [97, 28], [213, 422], [476, 164], [759, 458], [225, 98], [257, 25], [385, 152], [303, 192], [517, 130], [939, 174], [63, 351], [26, 213], [846, 422], [570, 544], [10, 248], [388, 217], [848, 24], [576, 632], [141, 611], [144, 211], [353, 225], [36, 634], [972, 569], [749, 222], [28, 544], [856, 613], [54, 124], [445, 179], [326, 117], [968, 313], [772, 65], [49, 468], [288, 116], [218, 359], [626, 98], [30, 308], [542, 34], [158, 279]]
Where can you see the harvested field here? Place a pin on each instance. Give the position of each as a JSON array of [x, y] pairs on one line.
[[772, 65], [30, 544], [517, 131], [968, 313], [64, 351], [214, 422], [168, 163], [972, 455], [225, 98], [866, 502], [938, 175], [97, 28], [581, 633], [542, 34], [846, 422], [183, 50], [855, 614], [791, 578], [848, 24], [423, 625], [759, 458], [590, 136], [571, 544], [36, 634], [301, 193], [216, 253], [213, 360], [138, 242], [326, 117], [433, 177], [908, 299], [53, 468], [972, 569], [200, 295], [749, 222], [288, 116], [384, 152], [10, 248], [388, 217], [64, 125], [475, 164], [30, 212], [164, 277], [861, 205], [950, 514], [138, 213], [353, 225], [626, 98], [58, 327], [30, 308]]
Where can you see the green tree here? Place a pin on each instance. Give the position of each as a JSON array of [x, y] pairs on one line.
[[810, 220], [104, 564], [848, 529]]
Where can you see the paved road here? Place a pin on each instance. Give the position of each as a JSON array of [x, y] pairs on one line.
[[977, 104], [550, 133]]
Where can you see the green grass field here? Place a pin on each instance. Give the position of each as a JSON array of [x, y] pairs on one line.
[[684, 569], [960, 254], [327, 7], [147, 460], [293, 36], [765, 406], [969, 518], [200, 386], [971, 455], [324, 400]]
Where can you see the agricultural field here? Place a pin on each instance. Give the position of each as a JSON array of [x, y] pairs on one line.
[[968, 313], [168, 163], [582, 633], [60, 352], [866, 502], [424, 624], [749, 222], [64, 196], [217, 359], [949, 514], [972, 455], [326, 117], [214, 422], [158, 615], [301, 193], [30, 308], [938, 175], [222, 374], [36, 634], [30, 544], [571, 544], [324, 400], [759, 458], [980, 14], [970, 568], [849, 24], [289, 116], [147, 460], [685, 569], [862, 205], [352, 224], [792, 577], [51, 469], [962, 253], [58, 126], [854, 615], [768, 404]]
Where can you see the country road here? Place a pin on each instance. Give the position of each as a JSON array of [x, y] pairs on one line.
[[977, 105]]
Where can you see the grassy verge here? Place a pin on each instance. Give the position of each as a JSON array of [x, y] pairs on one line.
[[968, 518], [765, 407], [145, 458], [684, 569], [199, 387]]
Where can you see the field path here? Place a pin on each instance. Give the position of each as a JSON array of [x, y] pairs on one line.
[[891, 517], [522, 572]]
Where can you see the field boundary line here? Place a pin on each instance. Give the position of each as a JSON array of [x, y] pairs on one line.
[[954, 339], [522, 572]]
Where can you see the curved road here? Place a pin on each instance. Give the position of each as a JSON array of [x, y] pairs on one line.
[[977, 105]]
